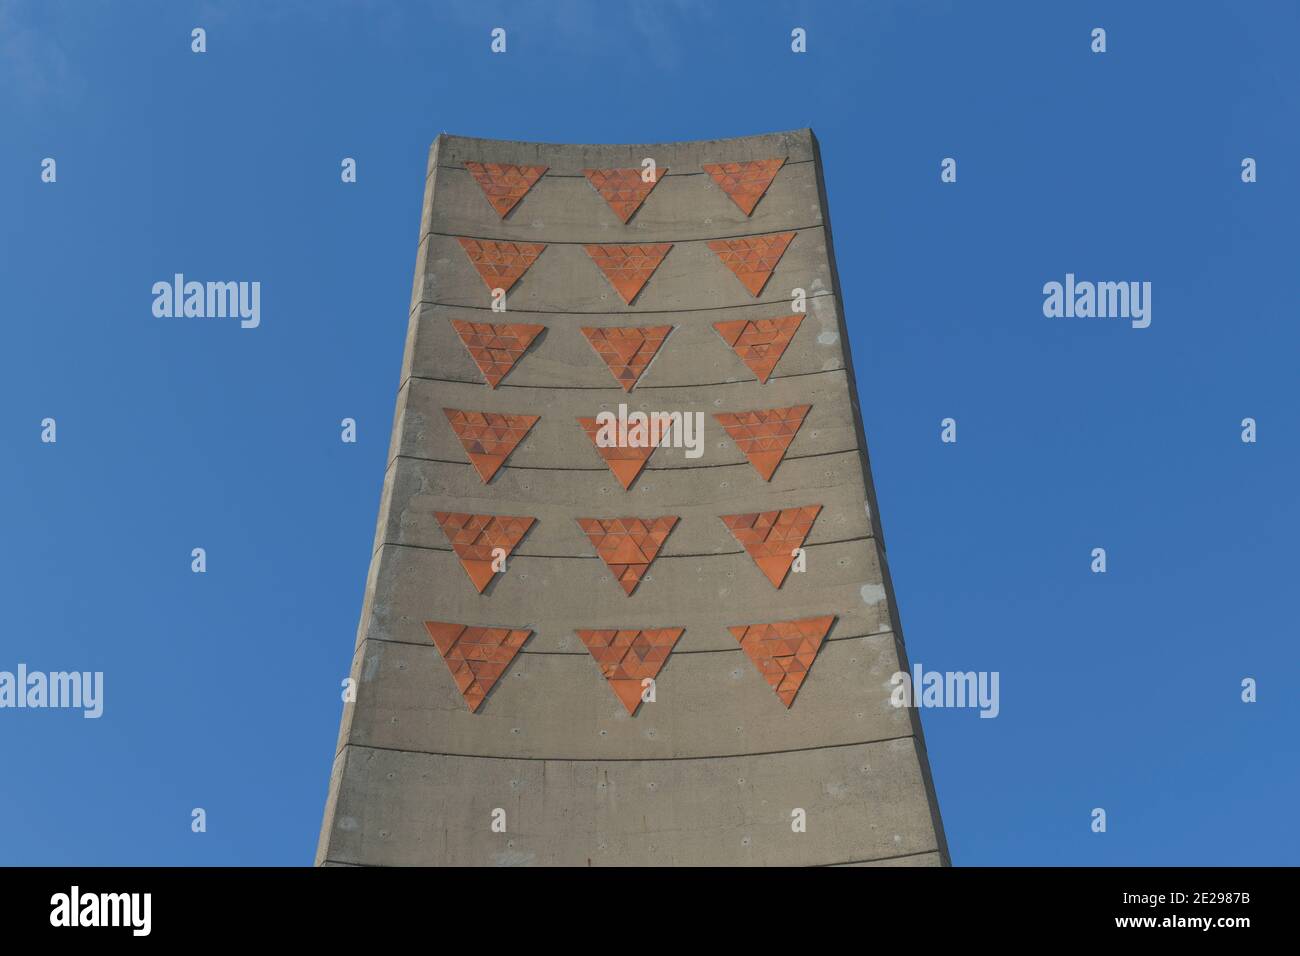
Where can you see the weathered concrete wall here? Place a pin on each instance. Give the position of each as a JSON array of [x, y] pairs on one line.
[[711, 770]]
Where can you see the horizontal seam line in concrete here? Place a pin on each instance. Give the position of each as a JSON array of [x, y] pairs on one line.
[[614, 389], [548, 173], [874, 859], [584, 653], [626, 313], [640, 241], [722, 464], [594, 557], [760, 753]]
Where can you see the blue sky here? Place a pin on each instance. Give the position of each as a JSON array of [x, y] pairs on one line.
[[222, 690]]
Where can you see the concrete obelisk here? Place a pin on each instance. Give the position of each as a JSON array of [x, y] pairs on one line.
[[590, 638]]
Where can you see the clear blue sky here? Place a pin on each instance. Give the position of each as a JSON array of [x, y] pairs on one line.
[[222, 690]]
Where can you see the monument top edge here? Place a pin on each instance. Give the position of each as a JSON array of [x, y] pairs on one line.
[[445, 137], [792, 145]]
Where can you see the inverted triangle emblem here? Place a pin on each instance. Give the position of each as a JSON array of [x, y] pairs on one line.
[[628, 268], [627, 658], [488, 437], [752, 258], [771, 537], [496, 348], [625, 461], [628, 546], [763, 436], [623, 189], [784, 651], [504, 185], [481, 540], [745, 183], [500, 264], [627, 352], [476, 656], [760, 343]]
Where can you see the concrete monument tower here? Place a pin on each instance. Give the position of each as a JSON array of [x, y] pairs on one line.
[[628, 602]]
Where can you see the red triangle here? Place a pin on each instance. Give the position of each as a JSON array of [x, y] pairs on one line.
[[628, 545], [488, 438], [745, 183], [476, 656], [624, 461], [763, 436], [771, 537], [496, 348], [752, 258], [623, 189], [627, 351], [626, 658], [504, 185], [474, 538], [760, 343], [500, 264], [784, 651], [628, 267]]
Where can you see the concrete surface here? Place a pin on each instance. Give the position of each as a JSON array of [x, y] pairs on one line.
[[711, 772]]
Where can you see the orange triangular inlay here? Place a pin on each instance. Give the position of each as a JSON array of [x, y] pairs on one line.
[[784, 651], [500, 264], [475, 537], [629, 267], [771, 537], [504, 185], [752, 258], [623, 189], [476, 656], [488, 438], [628, 351], [745, 183], [626, 658], [628, 545], [760, 343], [625, 461], [496, 348], [763, 436]]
